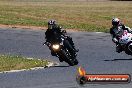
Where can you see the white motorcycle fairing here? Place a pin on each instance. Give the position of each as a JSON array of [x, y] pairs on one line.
[[126, 42], [125, 38]]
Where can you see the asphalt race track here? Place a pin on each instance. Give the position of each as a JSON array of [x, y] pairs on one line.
[[97, 55]]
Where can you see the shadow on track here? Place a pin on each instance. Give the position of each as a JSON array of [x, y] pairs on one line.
[[118, 59], [60, 66]]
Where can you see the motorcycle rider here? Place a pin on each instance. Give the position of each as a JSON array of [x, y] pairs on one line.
[[53, 27], [116, 31]]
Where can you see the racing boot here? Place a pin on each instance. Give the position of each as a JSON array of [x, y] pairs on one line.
[[72, 43], [76, 50], [118, 48]]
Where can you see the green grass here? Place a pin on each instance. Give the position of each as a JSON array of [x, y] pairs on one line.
[[86, 16], [8, 62]]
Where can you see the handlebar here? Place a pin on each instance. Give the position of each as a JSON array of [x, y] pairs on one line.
[[46, 43]]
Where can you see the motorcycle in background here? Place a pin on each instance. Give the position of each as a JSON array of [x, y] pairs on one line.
[[126, 42]]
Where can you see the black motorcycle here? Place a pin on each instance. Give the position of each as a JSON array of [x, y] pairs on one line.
[[63, 50]]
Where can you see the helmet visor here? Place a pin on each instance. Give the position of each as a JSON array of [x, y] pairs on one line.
[[115, 23]]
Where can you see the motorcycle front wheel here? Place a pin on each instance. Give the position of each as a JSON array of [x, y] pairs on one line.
[[66, 58]]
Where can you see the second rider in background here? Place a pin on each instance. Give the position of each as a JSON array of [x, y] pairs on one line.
[[116, 31]]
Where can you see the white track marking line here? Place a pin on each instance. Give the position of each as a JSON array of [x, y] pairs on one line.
[[35, 68]]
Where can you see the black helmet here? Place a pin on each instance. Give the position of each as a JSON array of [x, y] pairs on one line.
[[51, 23], [115, 21]]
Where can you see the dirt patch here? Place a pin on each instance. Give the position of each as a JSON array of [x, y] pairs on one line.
[[23, 27], [31, 27]]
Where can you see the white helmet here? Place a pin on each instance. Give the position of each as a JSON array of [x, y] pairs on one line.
[[115, 21]]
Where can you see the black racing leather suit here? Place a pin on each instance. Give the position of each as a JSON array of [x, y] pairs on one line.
[[51, 34]]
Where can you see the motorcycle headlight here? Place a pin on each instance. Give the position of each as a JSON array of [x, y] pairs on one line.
[[55, 46]]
